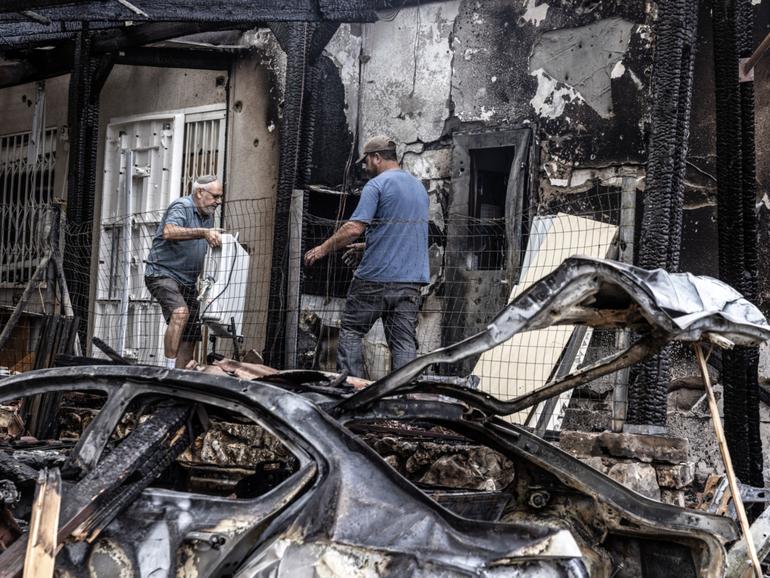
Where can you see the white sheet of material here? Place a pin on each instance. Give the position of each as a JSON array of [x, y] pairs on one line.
[[526, 361], [223, 286]]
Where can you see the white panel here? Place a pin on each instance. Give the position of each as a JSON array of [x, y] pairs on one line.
[[106, 321], [157, 143], [144, 338], [525, 362], [224, 281], [145, 328]]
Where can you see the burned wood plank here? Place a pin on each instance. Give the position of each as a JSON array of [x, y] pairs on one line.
[[23, 5], [44, 523], [14, 470], [110, 352]]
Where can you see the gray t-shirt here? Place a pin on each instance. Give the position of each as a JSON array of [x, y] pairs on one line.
[[180, 260], [394, 205]]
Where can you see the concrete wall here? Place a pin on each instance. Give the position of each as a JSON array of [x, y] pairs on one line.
[[253, 153], [17, 104]]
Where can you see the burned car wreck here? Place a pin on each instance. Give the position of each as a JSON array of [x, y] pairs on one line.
[[137, 499]]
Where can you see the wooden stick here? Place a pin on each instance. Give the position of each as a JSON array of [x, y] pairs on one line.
[[729, 472], [44, 526], [761, 49], [37, 276]]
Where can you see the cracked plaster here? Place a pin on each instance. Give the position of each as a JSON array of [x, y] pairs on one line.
[[407, 75]]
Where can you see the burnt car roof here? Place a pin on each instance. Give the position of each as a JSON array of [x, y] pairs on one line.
[[660, 306]]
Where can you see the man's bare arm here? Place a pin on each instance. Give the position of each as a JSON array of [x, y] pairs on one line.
[[173, 232], [347, 233]]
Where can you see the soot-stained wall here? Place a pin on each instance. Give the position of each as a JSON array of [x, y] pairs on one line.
[[577, 73]]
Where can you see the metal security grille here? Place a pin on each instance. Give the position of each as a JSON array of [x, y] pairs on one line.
[[26, 188], [204, 143]]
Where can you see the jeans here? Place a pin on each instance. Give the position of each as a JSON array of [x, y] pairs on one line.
[[397, 304]]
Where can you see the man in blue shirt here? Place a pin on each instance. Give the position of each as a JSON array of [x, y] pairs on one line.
[[175, 261], [393, 210]]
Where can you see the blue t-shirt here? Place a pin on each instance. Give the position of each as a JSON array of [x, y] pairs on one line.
[[180, 260], [394, 205]]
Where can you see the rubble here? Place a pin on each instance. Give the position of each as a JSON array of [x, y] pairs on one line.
[[643, 448]]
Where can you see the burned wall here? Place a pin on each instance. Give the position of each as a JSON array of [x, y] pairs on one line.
[[576, 73], [252, 172]]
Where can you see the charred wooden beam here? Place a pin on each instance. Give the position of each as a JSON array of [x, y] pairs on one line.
[[21, 35], [211, 11], [178, 11], [95, 500], [34, 65], [133, 36], [16, 471], [90, 71], [175, 58], [107, 37], [22, 5]]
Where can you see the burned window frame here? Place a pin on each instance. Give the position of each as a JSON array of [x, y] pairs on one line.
[[471, 294], [516, 193]]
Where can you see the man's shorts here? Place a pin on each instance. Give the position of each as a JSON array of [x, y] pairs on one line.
[[173, 295]]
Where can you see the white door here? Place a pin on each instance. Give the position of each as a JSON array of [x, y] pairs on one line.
[[164, 153], [142, 174]]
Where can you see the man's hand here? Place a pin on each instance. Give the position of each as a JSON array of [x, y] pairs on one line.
[[213, 237], [314, 255], [352, 257]]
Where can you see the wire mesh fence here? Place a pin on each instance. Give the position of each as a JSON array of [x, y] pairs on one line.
[[476, 266]]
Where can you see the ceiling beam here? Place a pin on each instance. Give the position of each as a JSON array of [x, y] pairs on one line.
[[108, 37], [18, 35], [176, 58], [22, 5], [42, 66], [135, 36], [178, 11]]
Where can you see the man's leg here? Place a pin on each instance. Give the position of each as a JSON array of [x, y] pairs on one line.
[[175, 311], [400, 322], [173, 337], [362, 308], [191, 333], [185, 354]]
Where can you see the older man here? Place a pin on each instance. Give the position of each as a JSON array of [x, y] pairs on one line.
[[175, 261], [393, 211]]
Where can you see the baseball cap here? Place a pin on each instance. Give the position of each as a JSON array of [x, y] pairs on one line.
[[377, 144]]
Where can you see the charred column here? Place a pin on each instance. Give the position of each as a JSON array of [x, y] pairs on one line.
[[660, 237], [303, 44], [737, 225], [88, 76]]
